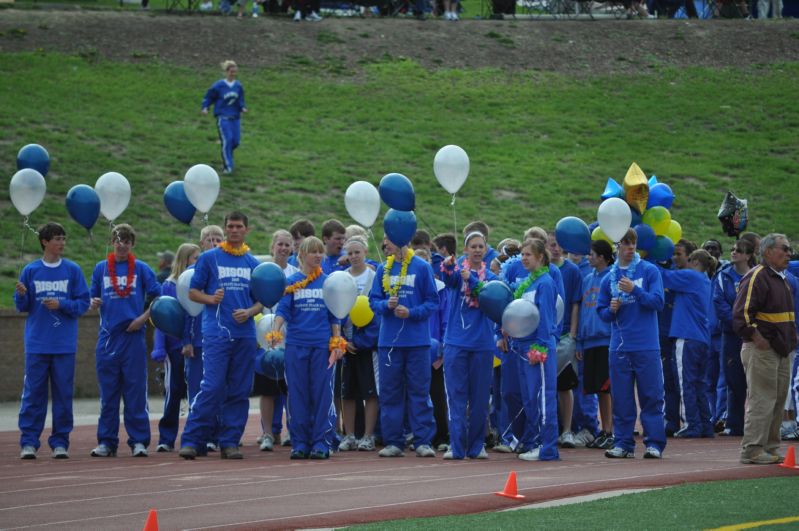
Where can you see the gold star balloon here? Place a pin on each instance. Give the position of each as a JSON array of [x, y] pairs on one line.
[[636, 188]]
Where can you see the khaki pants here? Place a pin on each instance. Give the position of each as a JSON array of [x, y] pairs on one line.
[[767, 375]]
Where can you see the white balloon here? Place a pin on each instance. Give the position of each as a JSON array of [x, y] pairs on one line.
[[201, 184], [614, 217], [339, 292], [451, 167], [363, 202], [559, 307], [114, 191], [27, 190], [265, 325], [184, 282], [520, 318]]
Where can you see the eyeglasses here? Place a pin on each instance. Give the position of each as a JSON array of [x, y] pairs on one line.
[[787, 248], [738, 250]]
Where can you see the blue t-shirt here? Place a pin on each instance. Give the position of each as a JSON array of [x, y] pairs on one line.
[[308, 319], [217, 269], [117, 312], [330, 264], [543, 294], [689, 320], [515, 274], [592, 331], [52, 331], [468, 327], [227, 99], [572, 287]]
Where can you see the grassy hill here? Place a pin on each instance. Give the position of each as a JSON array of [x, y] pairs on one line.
[[541, 144]]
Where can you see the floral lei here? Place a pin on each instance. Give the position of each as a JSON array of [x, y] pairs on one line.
[[616, 274], [470, 294], [393, 291], [112, 272], [534, 275], [537, 354], [300, 284], [235, 251]]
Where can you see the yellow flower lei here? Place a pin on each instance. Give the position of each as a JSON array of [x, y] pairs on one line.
[[393, 291], [229, 249], [300, 284]]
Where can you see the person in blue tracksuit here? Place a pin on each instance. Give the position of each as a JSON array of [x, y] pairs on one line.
[[333, 236], [537, 380], [629, 299], [404, 294], [724, 291], [169, 351], [690, 330], [120, 286], [227, 97], [221, 281], [54, 294], [468, 352], [311, 353]]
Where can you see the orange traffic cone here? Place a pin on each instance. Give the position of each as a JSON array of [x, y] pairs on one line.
[[152, 521], [790, 459], [510, 488]]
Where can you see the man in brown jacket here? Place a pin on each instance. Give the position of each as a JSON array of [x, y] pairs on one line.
[[763, 317]]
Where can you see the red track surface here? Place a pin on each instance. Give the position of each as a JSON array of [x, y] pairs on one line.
[[268, 491]]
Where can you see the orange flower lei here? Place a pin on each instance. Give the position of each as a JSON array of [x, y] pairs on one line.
[[393, 291], [337, 342], [277, 335], [300, 284], [229, 249]]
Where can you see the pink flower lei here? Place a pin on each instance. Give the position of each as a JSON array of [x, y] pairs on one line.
[[469, 293]]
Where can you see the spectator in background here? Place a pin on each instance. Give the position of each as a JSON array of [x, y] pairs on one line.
[[754, 239], [300, 229], [308, 10], [444, 244], [165, 259], [763, 8], [421, 240], [333, 232]]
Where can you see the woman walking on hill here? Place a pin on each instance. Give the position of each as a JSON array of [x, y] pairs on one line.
[[227, 97]]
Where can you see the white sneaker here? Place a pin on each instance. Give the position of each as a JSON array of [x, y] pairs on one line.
[[348, 444], [255, 15], [566, 440], [285, 439], [503, 449], [139, 450], [443, 447], [454, 16], [267, 443], [211, 447], [425, 450], [482, 455], [583, 438], [367, 444], [532, 455], [59, 452], [448, 455], [446, 15], [103, 450], [314, 17], [28, 452], [163, 448], [391, 451]]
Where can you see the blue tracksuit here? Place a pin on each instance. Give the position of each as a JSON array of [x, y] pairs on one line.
[[404, 352], [468, 361], [308, 374], [725, 289], [671, 380], [122, 356], [691, 331], [168, 349], [634, 356], [330, 263], [228, 350], [715, 382], [538, 383], [585, 267], [228, 101], [51, 339]]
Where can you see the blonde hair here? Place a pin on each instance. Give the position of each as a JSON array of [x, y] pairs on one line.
[[422, 253], [211, 229], [357, 240], [226, 64], [539, 248], [181, 262], [311, 244], [354, 230], [535, 232], [277, 234]]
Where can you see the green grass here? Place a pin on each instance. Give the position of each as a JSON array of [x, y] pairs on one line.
[[696, 506], [541, 145]]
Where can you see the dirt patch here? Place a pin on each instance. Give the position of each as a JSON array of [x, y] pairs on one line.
[[576, 47]]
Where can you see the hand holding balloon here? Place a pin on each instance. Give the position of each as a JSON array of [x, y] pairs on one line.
[[465, 275], [241, 315], [21, 289], [626, 285], [96, 303], [218, 296], [393, 302], [615, 304], [401, 312]]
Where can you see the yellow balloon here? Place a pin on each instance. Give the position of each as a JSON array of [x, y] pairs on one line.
[[361, 314], [636, 188], [658, 218], [599, 235], [674, 232]]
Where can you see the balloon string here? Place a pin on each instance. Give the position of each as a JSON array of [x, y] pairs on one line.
[[22, 247], [454, 217], [377, 247], [432, 232], [219, 306], [205, 219], [452, 203], [28, 226]]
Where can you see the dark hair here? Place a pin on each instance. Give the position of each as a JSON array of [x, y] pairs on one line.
[[124, 233], [331, 227], [237, 216], [688, 245], [302, 227], [602, 248], [476, 226], [48, 231], [630, 237], [420, 237], [707, 261], [713, 242], [447, 241], [746, 246], [539, 248]]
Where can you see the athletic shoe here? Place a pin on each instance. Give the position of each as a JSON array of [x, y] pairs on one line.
[[763, 458], [619, 453], [531, 455], [448, 455], [367, 444], [729, 433], [348, 444], [319, 454], [503, 448], [298, 454], [103, 450], [254, 15], [28, 452], [227, 171], [188, 452], [718, 427], [685, 434], [583, 438], [314, 17], [652, 453], [482, 455], [391, 451], [780, 459], [59, 452], [298, 16], [163, 448], [608, 443], [598, 440], [139, 450], [443, 447], [789, 434], [211, 447], [566, 440], [267, 443], [285, 440], [425, 450], [231, 452], [454, 16]]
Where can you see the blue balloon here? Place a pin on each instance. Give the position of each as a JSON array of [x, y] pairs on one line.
[[660, 195], [636, 219], [493, 299], [34, 156], [168, 316], [267, 283], [663, 249], [646, 237], [592, 226], [573, 235], [83, 204], [399, 226], [612, 189], [271, 363], [397, 192], [177, 202], [653, 181]]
